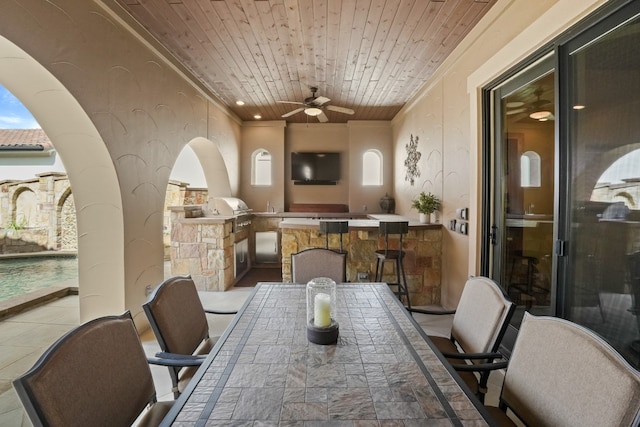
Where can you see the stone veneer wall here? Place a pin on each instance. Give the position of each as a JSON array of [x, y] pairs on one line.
[[34, 214], [422, 261], [204, 249], [43, 209], [24, 241]]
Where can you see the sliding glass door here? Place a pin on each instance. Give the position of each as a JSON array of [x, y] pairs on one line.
[[602, 237], [563, 181], [524, 158]]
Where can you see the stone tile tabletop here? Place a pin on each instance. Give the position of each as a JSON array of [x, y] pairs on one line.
[[381, 372]]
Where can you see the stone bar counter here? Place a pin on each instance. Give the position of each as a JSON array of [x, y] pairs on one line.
[[203, 247], [422, 261]]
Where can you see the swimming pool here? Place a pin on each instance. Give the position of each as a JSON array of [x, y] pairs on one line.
[[19, 276]]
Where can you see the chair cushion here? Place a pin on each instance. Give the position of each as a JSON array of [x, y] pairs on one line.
[[154, 416], [177, 313], [480, 316], [318, 262], [95, 375], [563, 374]]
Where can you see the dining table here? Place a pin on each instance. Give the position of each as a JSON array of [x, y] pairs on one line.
[[382, 371]]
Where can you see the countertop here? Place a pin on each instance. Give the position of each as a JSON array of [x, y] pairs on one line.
[[372, 222], [311, 219]]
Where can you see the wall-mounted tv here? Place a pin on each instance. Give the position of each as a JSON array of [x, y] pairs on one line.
[[315, 168]]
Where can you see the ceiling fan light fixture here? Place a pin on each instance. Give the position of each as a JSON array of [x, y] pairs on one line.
[[537, 115], [312, 111]]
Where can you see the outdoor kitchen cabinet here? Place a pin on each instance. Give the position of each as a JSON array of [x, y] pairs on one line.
[[267, 243]]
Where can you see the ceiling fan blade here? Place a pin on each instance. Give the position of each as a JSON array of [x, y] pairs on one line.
[[321, 100], [516, 111], [290, 102], [291, 113], [322, 117], [340, 109]]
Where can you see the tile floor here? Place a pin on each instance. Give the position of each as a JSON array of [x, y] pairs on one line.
[[24, 337]]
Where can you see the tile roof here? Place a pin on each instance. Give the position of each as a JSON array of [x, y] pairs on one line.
[[24, 140]]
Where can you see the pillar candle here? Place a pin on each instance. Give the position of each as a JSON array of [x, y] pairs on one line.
[[322, 310]]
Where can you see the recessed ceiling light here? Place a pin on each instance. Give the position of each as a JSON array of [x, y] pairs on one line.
[[257, 116], [238, 102], [578, 107], [515, 104]]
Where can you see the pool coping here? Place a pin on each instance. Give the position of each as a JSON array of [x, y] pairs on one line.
[[20, 303], [43, 254]]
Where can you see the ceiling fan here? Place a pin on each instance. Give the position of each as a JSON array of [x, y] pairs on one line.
[[537, 110], [314, 106]]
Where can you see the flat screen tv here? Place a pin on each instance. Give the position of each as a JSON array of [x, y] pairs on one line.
[[315, 168]]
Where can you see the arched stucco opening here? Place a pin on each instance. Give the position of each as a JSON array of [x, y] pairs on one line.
[[91, 174], [193, 183], [24, 207], [599, 165], [66, 226], [213, 166]]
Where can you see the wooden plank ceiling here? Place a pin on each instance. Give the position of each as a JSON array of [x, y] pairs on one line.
[[371, 56]]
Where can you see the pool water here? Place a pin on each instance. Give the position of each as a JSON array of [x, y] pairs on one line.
[[19, 276]]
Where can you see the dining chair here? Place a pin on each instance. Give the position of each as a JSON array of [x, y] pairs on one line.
[[479, 323], [318, 262], [562, 374], [95, 375], [179, 323]]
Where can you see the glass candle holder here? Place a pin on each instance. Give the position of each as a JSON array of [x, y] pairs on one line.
[[322, 327]]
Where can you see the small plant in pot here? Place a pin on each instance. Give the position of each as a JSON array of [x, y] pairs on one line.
[[426, 204]]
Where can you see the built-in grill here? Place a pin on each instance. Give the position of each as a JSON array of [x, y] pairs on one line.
[[232, 206], [229, 206]]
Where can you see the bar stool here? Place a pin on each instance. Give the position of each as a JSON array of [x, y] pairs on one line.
[[395, 255], [334, 227], [524, 291]]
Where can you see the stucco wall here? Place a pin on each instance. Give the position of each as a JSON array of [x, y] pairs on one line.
[[144, 112], [327, 137], [268, 136], [445, 116], [363, 136]]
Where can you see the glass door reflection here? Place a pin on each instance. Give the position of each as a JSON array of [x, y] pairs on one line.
[[525, 156]]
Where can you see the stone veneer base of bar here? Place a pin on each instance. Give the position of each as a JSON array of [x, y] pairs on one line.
[[422, 261]]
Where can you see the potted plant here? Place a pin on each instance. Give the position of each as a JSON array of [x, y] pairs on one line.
[[426, 204]]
